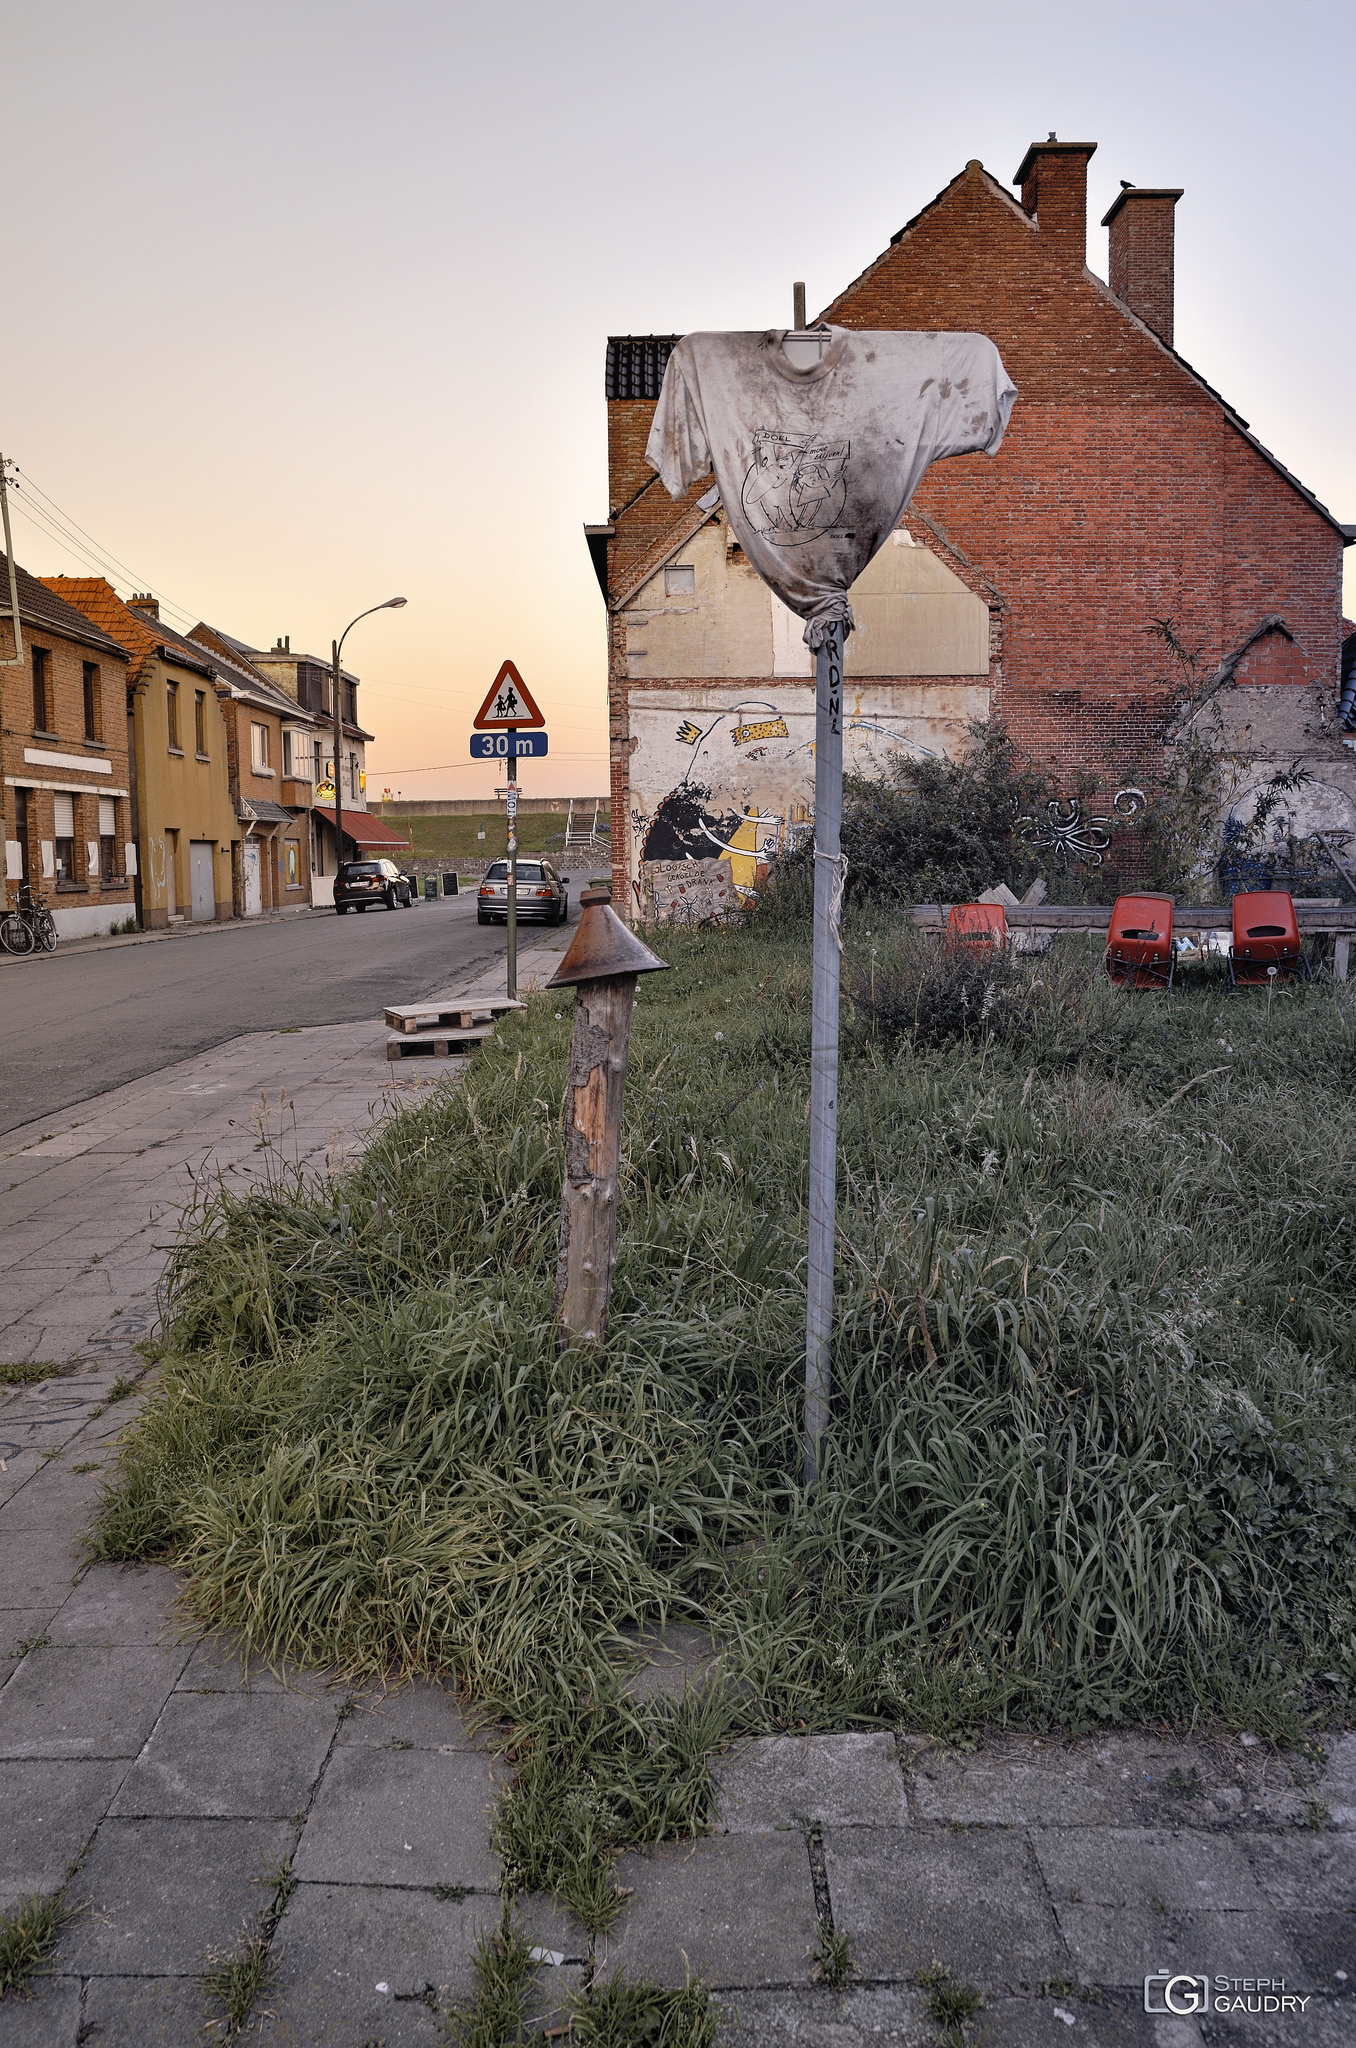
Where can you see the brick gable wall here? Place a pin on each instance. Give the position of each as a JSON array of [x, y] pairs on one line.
[[1123, 493]]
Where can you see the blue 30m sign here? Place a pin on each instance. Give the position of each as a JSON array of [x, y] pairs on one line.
[[497, 746]]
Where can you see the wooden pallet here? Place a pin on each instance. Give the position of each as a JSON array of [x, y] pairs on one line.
[[437, 1044], [462, 1013]]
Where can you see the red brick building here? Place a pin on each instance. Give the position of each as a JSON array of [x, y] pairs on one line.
[[1127, 491]]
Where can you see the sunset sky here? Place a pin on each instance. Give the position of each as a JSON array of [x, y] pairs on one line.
[[306, 305]]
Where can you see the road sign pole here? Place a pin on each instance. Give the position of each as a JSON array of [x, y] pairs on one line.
[[512, 807], [824, 1042]]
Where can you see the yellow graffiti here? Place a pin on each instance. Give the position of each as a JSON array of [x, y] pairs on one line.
[[766, 729], [688, 733]]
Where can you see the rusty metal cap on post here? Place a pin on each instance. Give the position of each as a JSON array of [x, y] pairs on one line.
[[602, 948]]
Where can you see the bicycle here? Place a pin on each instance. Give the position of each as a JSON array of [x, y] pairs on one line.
[[38, 918], [16, 936]]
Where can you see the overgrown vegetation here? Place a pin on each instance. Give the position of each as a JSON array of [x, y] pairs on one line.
[[1092, 1452], [29, 1371], [27, 1937]]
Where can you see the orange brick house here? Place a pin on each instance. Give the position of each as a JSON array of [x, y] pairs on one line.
[[65, 798], [1127, 490]]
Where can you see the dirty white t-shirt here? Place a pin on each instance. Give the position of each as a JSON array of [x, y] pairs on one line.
[[815, 466]]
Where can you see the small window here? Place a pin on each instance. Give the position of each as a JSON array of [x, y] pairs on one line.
[[42, 690], [93, 719], [200, 723], [259, 746], [63, 831], [108, 837], [172, 709], [293, 877], [680, 580]]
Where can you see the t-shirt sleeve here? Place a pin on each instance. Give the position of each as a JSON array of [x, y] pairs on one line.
[[678, 446], [976, 407]]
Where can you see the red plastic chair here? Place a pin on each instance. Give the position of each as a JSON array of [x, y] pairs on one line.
[[1139, 946], [1267, 944], [977, 924]]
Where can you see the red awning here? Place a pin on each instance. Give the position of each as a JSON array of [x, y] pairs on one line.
[[365, 830]]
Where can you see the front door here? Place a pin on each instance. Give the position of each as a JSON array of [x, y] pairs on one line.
[[202, 876], [254, 898]]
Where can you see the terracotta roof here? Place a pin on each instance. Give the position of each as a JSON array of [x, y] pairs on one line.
[[143, 637], [38, 606]]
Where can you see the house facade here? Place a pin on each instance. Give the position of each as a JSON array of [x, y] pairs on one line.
[[184, 821], [1025, 586], [65, 785]]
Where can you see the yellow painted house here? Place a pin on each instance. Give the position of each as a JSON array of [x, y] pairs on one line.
[[186, 828]]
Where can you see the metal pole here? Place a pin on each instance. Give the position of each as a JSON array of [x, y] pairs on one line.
[[512, 808], [336, 685], [824, 1041]]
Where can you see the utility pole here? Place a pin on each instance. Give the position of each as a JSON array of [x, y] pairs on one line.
[[8, 661]]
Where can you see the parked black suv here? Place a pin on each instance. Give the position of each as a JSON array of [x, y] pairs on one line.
[[362, 884]]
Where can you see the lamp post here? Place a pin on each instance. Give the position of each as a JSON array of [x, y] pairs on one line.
[[391, 604]]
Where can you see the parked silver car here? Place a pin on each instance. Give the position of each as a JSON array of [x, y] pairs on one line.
[[543, 895]]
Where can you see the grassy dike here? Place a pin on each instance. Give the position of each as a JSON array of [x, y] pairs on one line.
[[1095, 1383]]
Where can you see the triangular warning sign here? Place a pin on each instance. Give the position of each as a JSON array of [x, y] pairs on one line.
[[509, 703]]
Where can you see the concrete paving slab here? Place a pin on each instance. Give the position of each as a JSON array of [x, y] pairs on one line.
[[1326, 1946], [738, 1910], [37, 1567], [975, 1902], [404, 1817], [1068, 2021], [1130, 1867], [147, 2012], [1019, 1781], [50, 2018], [1119, 1946], [65, 1500], [857, 2018], [119, 1606], [229, 1755], [1320, 2025], [1337, 1785], [85, 1702], [159, 1894], [50, 1811], [781, 1780], [216, 1665], [355, 1963], [423, 1716], [1305, 1872], [670, 1661], [20, 1626]]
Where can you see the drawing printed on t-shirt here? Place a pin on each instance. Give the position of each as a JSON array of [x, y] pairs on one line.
[[796, 487]]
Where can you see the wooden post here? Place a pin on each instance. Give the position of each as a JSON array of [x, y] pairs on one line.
[[593, 1113], [601, 964]]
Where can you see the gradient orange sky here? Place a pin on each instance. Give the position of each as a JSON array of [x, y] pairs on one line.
[[306, 305]]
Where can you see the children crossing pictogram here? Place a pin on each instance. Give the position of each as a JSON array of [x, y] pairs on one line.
[[509, 703]]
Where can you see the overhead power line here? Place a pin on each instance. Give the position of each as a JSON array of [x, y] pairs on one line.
[[47, 516]]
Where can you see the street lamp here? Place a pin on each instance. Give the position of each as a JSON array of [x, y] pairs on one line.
[[392, 604]]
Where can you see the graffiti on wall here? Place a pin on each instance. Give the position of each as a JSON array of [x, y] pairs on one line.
[[730, 776]]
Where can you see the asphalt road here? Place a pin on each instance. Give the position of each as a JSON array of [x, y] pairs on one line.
[[76, 1023]]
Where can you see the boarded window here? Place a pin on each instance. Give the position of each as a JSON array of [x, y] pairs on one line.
[[42, 690], [200, 723], [93, 709], [172, 712], [680, 580]]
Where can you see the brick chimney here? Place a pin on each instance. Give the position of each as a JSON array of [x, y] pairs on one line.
[[143, 601], [1140, 241], [1053, 176]]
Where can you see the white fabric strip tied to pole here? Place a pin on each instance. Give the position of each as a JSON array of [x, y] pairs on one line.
[[814, 466]]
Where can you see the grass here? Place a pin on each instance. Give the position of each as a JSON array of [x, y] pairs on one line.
[[949, 2002], [833, 1964], [235, 1979], [454, 837], [493, 2017], [1094, 1404], [27, 1937], [29, 1372]]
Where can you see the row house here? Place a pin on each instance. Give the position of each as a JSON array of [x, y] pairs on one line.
[[184, 819], [65, 775], [1027, 586], [307, 683]]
